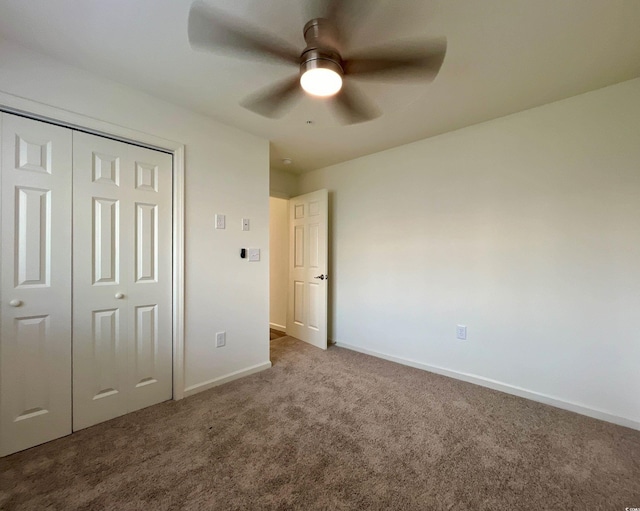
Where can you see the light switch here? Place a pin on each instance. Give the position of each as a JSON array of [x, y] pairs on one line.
[[254, 254], [245, 224], [220, 221]]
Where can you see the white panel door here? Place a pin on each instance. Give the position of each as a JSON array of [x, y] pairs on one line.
[[122, 309], [308, 273], [35, 287]]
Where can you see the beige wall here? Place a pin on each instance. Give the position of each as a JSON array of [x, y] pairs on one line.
[[526, 229], [283, 184], [278, 262], [227, 172]]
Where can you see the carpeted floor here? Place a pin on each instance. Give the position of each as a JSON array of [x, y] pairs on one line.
[[275, 334], [334, 430]]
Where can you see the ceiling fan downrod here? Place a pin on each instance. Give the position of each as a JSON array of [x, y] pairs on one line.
[[321, 69]]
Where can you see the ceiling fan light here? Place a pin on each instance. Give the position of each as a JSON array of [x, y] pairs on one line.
[[321, 81]]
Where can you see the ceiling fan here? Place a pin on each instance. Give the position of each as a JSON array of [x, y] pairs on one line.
[[325, 69]]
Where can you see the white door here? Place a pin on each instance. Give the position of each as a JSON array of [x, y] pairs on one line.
[[308, 272], [35, 292], [122, 307]]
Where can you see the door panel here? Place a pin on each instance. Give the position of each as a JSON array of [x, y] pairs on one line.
[[106, 236], [35, 329], [31, 336], [122, 280], [298, 303], [122, 207], [308, 227], [105, 340], [99, 307], [298, 246], [33, 236], [146, 345], [150, 280], [146, 242]]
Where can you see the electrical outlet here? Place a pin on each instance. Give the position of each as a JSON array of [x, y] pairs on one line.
[[220, 221], [461, 332], [221, 339]]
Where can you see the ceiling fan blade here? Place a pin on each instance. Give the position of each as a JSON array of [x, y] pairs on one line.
[[212, 30], [346, 15], [273, 101], [336, 9], [405, 60], [353, 106]]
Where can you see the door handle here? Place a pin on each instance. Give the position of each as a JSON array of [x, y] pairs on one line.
[[119, 296], [15, 303], [322, 277]]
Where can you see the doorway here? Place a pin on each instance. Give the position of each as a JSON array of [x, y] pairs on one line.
[[299, 267], [278, 265]]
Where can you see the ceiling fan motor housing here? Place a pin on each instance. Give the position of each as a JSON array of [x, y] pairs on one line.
[[321, 51]]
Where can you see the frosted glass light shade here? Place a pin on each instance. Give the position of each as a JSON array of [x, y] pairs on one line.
[[321, 81]]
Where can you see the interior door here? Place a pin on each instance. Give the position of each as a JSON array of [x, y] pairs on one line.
[[35, 323], [122, 309], [308, 272]]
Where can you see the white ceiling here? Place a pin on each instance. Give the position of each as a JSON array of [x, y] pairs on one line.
[[503, 56]]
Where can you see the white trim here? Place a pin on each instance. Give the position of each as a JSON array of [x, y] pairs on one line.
[[43, 112], [178, 273], [209, 384], [281, 328], [502, 387]]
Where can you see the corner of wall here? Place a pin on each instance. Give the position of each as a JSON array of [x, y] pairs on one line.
[[283, 184]]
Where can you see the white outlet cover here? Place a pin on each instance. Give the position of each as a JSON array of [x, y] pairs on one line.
[[254, 254], [221, 339], [220, 221], [461, 332]]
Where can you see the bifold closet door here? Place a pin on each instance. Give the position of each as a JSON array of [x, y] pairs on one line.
[[122, 303], [35, 283]]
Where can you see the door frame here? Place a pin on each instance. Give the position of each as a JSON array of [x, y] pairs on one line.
[[281, 328], [41, 112]]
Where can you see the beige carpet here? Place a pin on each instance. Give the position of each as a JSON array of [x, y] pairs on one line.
[[334, 430], [276, 334]]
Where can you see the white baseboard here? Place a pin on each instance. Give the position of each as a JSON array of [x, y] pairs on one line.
[[209, 384], [502, 387], [280, 328]]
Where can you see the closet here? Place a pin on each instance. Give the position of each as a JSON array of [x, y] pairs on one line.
[[85, 280]]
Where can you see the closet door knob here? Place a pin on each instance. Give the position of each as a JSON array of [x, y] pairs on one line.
[[119, 296], [15, 303]]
